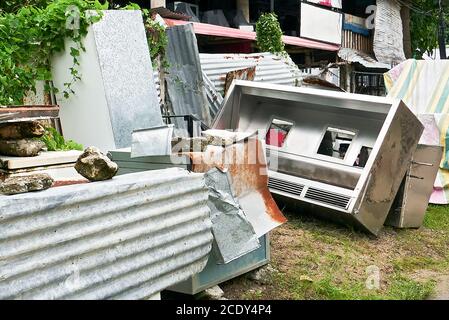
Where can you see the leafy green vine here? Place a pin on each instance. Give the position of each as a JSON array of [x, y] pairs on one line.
[[157, 41], [30, 35], [269, 34], [54, 141]]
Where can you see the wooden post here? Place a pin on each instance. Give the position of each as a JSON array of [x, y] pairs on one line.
[[243, 5], [405, 15]]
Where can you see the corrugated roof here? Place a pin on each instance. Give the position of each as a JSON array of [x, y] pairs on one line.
[[269, 68], [364, 59], [219, 31], [185, 84], [126, 238]]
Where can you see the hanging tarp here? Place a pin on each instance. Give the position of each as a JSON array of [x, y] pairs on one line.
[[424, 86]]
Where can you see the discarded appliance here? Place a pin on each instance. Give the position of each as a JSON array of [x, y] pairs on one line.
[[60, 165], [117, 94], [126, 238], [214, 273], [410, 204], [248, 181], [343, 154]]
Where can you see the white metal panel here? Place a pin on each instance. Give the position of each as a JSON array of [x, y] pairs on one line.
[[129, 237], [321, 24]]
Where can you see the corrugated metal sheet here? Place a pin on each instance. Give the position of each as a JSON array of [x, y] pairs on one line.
[[214, 98], [185, 84], [364, 59], [269, 68], [127, 238]]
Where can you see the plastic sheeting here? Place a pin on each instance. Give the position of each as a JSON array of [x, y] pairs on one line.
[[424, 86]]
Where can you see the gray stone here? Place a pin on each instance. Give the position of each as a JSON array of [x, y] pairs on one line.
[[262, 275], [21, 130], [214, 293], [95, 166], [26, 183], [21, 148]]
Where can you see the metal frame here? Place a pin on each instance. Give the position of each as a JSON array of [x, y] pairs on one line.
[[326, 127]]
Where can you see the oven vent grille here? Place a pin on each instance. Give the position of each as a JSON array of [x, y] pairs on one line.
[[327, 197], [288, 187]]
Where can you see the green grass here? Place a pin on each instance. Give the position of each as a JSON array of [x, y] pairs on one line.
[[316, 259], [437, 218]]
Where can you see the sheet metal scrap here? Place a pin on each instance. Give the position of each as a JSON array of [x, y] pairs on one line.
[[246, 163], [411, 202], [154, 141], [234, 236]]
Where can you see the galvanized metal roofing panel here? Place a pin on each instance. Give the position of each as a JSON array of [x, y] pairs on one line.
[[129, 237], [364, 59], [214, 97], [269, 68], [185, 82]]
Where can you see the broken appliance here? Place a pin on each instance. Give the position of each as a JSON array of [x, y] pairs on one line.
[[410, 205], [343, 155]]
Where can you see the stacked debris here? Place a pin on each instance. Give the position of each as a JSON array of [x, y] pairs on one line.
[[20, 130]]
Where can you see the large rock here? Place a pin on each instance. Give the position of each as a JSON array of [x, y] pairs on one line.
[[95, 166], [21, 148], [21, 130], [26, 183]]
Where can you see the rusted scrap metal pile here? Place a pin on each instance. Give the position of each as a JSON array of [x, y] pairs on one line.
[[185, 198]]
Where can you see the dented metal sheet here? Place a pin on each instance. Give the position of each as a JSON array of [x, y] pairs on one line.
[[343, 155], [127, 238], [234, 236], [246, 163]]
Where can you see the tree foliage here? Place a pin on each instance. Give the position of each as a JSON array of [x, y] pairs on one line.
[[269, 34], [424, 27]]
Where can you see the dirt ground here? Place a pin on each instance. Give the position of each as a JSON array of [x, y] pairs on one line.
[[316, 259]]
